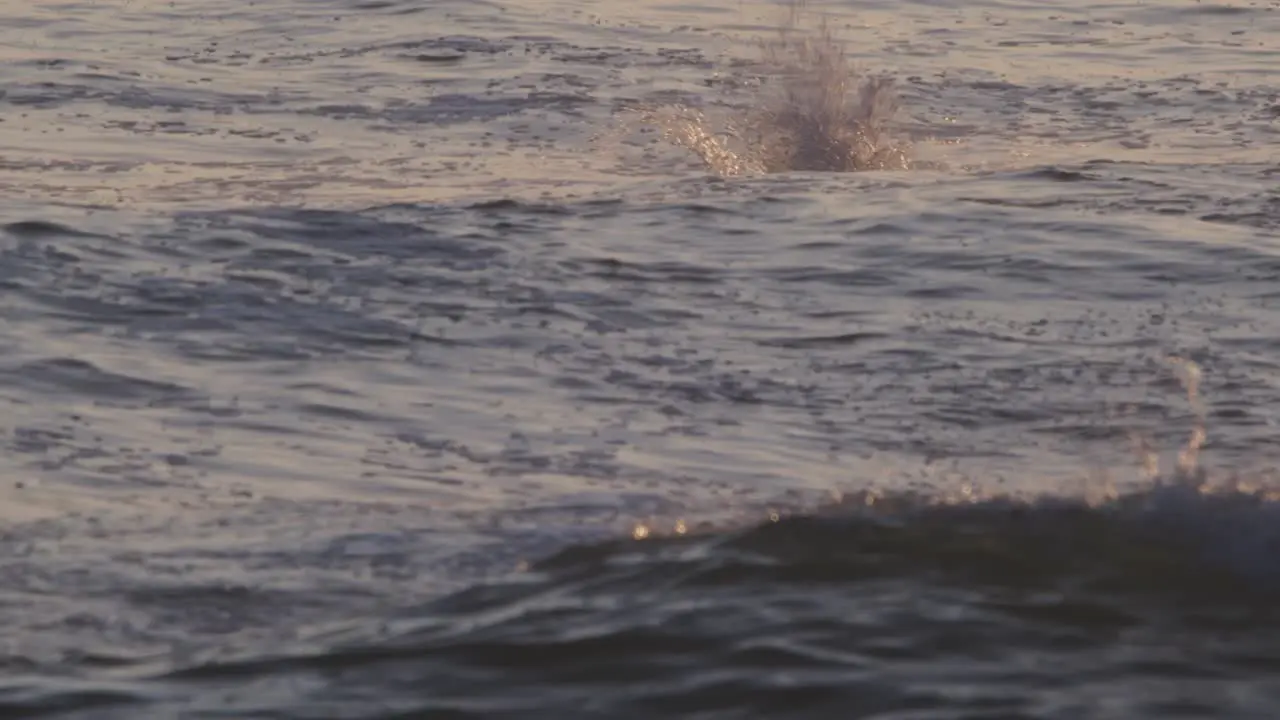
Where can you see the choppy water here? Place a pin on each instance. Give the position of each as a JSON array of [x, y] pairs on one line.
[[370, 360]]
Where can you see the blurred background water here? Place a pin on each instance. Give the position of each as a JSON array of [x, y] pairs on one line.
[[368, 360]]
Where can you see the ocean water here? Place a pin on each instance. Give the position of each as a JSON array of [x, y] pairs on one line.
[[461, 359]]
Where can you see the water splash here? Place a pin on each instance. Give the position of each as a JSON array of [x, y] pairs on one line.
[[814, 111], [1187, 471]]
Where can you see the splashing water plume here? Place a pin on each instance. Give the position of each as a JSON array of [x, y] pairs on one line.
[[816, 112]]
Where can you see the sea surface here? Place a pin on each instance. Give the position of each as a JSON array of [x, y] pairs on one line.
[[371, 359]]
